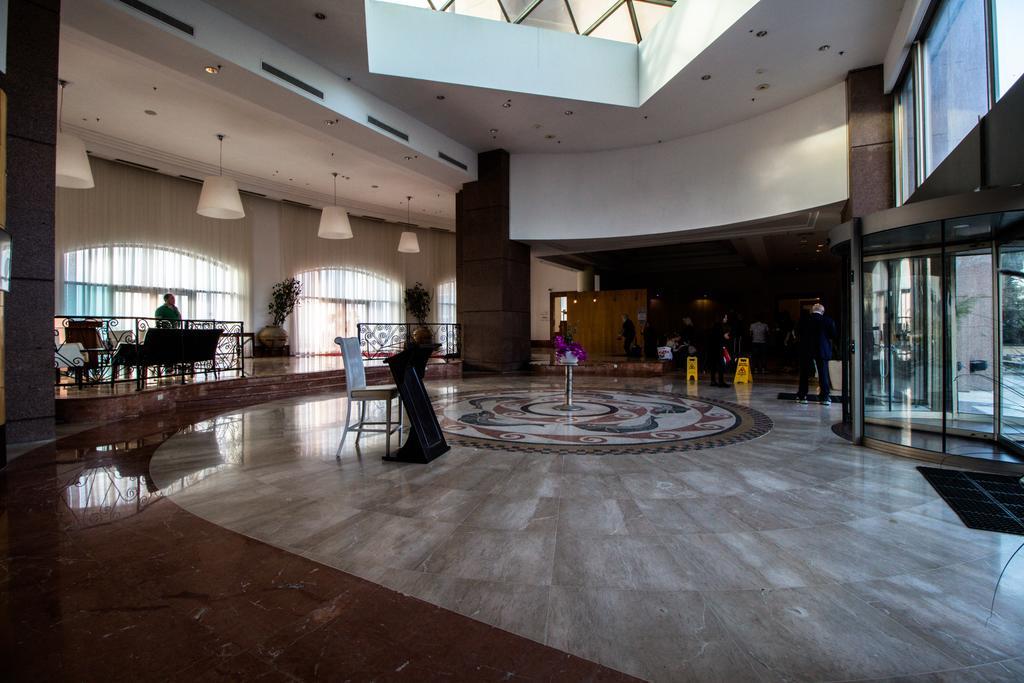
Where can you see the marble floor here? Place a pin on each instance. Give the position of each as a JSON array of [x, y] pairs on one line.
[[791, 556]]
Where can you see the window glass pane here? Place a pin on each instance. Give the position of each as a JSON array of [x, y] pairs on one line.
[[956, 76], [1009, 48], [125, 280], [907, 138]]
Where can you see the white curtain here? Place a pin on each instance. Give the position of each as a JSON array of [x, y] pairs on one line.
[[359, 280], [123, 280], [444, 301], [135, 236], [335, 300]]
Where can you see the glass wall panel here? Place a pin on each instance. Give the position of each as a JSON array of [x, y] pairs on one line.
[[1008, 21], [970, 399], [956, 76], [903, 350], [907, 132], [909, 237], [1011, 284]]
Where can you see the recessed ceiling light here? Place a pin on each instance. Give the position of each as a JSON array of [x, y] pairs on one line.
[[824, 48], [407, 157], [330, 122], [759, 71], [375, 187], [706, 77], [439, 97], [211, 69], [493, 131], [507, 105], [150, 112], [763, 86], [549, 136], [320, 15], [761, 34], [568, 112]]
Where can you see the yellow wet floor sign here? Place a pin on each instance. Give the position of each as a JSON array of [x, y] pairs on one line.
[[691, 368], [742, 372]]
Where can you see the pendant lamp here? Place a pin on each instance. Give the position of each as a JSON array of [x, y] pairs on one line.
[[409, 244], [220, 198], [73, 169], [334, 223]]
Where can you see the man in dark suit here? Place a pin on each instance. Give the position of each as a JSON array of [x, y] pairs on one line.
[[816, 334]]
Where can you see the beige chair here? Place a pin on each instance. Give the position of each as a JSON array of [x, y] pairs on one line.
[[357, 391]]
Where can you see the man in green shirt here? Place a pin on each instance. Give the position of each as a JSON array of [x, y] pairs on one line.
[[168, 315]]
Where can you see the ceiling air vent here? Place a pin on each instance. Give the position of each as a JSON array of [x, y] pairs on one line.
[[385, 127], [375, 219], [250, 193], [190, 178], [294, 203], [453, 162], [135, 165], [288, 78], [160, 16]]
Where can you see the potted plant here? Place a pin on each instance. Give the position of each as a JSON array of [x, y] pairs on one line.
[[284, 297], [417, 305], [568, 351]]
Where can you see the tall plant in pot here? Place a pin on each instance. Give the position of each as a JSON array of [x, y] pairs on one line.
[[284, 297], [417, 305]]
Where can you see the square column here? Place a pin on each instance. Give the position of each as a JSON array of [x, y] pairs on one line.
[[493, 273]]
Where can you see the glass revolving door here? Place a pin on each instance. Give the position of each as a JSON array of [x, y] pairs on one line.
[[903, 344]]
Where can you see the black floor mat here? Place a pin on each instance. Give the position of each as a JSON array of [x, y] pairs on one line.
[[990, 502]]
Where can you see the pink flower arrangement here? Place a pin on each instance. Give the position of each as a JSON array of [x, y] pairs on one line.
[[564, 345]]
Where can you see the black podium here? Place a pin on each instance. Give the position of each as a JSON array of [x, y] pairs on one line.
[[425, 441]]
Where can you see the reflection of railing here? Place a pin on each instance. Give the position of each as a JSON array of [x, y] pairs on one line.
[[93, 350], [380, 340]]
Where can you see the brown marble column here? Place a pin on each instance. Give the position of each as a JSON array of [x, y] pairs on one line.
[[869, 116], [33, 32], [493, 273]]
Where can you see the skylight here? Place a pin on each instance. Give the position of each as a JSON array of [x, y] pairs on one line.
[[628, 21]]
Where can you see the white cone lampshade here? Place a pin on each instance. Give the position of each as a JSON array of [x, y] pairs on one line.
[[334, 224], [409, 244], [220, 198], [73, 169]]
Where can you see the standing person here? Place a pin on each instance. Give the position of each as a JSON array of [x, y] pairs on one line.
[[816, 334], [650, 340], [168, 314], [759, 345], [719, 343], [628, 335]]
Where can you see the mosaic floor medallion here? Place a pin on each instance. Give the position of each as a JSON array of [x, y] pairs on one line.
[[603, 421]]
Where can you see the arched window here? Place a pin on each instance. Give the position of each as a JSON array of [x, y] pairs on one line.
[[130, 280], [335, 300], [445, 306]]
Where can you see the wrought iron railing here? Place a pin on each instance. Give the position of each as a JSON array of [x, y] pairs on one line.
[[96, 350], [380, 340]]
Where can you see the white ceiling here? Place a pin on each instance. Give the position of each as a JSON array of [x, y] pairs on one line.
[[279, 156], [788, 56], [111, 89]]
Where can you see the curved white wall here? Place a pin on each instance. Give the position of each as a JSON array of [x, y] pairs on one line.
[[787, 160]]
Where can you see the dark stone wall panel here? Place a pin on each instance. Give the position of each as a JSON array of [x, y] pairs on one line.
[[870, 108], [869, 112], [493, 273], [871, 174], [31, 86]]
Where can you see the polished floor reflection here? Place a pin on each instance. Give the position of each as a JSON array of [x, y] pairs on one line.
[[789, 556]]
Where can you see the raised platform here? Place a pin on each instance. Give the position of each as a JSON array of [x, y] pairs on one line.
[[266, 379], [543, 362]]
